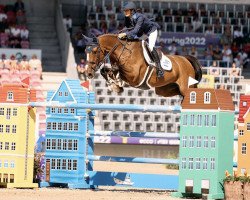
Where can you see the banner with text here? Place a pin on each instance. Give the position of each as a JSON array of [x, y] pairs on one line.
[[190, 39]]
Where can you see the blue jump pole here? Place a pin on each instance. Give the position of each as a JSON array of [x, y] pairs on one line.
[[133, 159], [120, 107]]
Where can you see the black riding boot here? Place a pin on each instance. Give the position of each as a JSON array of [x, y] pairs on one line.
[[159, 70]]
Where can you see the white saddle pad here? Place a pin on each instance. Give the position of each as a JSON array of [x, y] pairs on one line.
[[166, 63]]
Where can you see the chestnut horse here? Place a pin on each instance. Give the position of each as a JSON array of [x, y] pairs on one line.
[[127, 56]]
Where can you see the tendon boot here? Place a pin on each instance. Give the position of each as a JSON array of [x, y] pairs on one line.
[[159, 70]]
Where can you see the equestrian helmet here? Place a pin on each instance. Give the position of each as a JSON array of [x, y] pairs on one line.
[[129, 6]]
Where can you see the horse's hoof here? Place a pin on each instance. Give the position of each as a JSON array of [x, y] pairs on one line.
[[116, 88]]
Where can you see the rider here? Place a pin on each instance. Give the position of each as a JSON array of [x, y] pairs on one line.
[[140, 25]]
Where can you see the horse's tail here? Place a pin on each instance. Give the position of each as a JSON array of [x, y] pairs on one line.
[[196, 65]]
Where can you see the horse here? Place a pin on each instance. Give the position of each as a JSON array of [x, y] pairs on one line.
[[132, 68]]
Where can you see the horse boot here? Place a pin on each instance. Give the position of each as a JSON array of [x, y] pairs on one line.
[[159, 70]]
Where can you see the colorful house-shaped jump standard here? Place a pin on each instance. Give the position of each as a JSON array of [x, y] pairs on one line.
[[17, 136], [66, 137], [206, 142], [243, 135]]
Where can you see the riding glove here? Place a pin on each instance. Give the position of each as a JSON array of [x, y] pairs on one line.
[[122, 35]]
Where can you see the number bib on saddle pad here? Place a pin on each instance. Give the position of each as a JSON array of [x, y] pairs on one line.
[[166, 63]]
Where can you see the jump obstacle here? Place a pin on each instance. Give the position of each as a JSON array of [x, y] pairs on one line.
[[84, 176]]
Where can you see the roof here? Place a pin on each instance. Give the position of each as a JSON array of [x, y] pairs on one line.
[[243, 108], [219, 99]]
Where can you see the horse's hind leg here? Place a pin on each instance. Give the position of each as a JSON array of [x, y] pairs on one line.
[[169, 90]]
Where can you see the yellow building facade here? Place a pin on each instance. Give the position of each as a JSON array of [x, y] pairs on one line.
[[17, 142]]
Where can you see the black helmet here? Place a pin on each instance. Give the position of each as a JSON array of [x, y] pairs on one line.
[[129, 6]]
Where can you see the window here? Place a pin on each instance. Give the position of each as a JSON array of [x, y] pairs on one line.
[[59, 144], [248, 126], [74, 164], [212, 164], [205, 141], [0, 167], [244, 148], [1, 128], [198, 142], [12, 164], [48, 125], [69, 144], [66, 110], [185, 120], [58, 164], [184, 141], [59, 110], [75, 126], [198, 163], [192, 120], [48, 144], [13, 146], [1, 145], [199, 120], [14, 112], [53, 163], [6, 164], [241, 132], [13, 128], [7, 145], [59, 126], [53, 110], [191, 141], [66, 94], [1, 111], [192, 97], [64, 164], [190, 163], [10, 96], [206, 120], [7, 128], [69, 164], [212, 142], [54, 126], [70, 126], [53, 144], [65, 126], [207, 97], [64, 144], [183, 163], [243, 170], [8, 112], [75, 148], [72, 111], [244, 103], [213, 120], [204, 163], [60, 94]]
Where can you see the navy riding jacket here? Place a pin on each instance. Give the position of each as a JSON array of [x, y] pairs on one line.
[[140, 24]]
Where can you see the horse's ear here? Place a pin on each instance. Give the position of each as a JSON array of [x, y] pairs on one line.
[[89, 41]]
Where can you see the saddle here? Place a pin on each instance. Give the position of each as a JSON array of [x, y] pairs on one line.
[[166, 63]]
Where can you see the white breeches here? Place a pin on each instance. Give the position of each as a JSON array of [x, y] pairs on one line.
[[152, 39]]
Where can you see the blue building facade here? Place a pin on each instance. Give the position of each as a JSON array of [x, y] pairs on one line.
[[67, 139]]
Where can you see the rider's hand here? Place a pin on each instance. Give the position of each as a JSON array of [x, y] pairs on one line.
[[122, 35]]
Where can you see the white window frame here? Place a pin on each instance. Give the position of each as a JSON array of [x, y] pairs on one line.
[[66, 110], [207, 98], [6, 164], [59, 126], [12, 164], [66, 94], [244, 103], [212, 163], [59, 110], [48, 143], [7, 128], [244, 148], [70, 126], [8, 113], [213, 142], [58, 164], [48, 125], [205, 142], [64, 164], [213, 121], [192, 97], [75, 145], [198, 163], [70, 145], [1, 111], [14, 112], [205, 163], [7, 146], [59, 144], [184, 163], [206, 120], [199, 120], [184, 141], [248, 126], [53, 144], [191, 141], [185, 120], [10, 96], [60, 94], [53, 163], [198, 141], [192, 119], [1, 128], [54, 126], [76, 126], [74, 165], [72, 111], [69, 164], [191, 163], [65, 126], [1, 145], [64, 144], [53, 110], [14, 128], [13, 146]]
